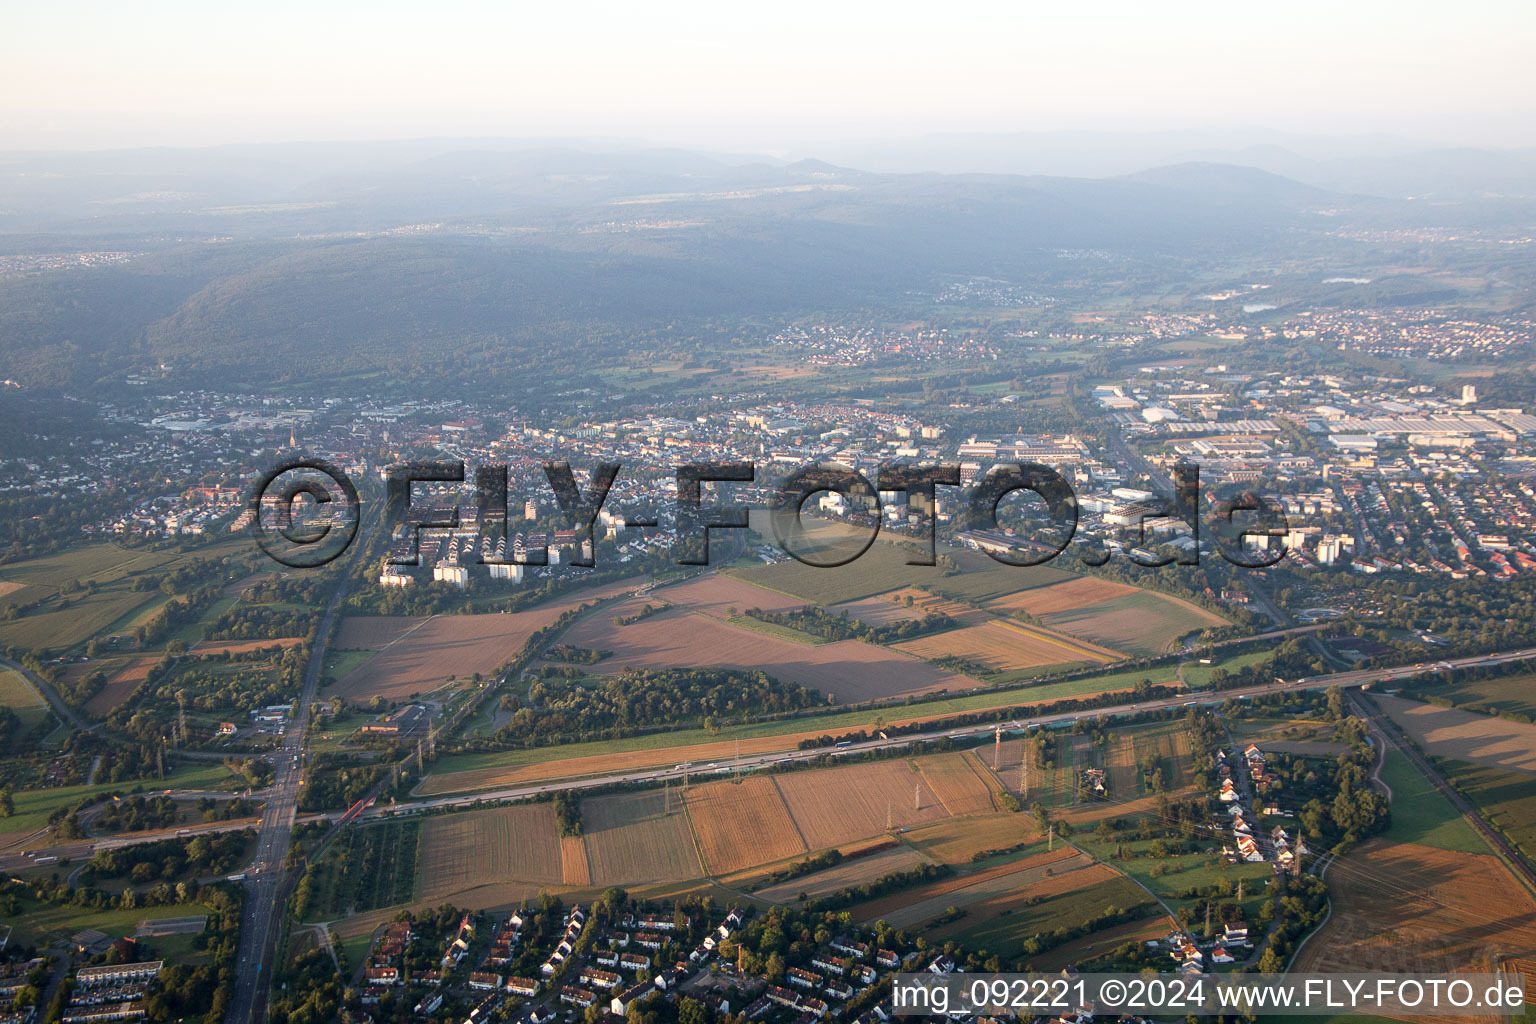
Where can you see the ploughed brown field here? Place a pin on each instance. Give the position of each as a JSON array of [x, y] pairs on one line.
[[462, 851], [120, 685], [716, 595], [1060, 597], [416, 656], [850, 670], [371, 632], [1401, 907], [1464, 735]]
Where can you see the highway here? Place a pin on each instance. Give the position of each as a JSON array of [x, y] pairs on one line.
[[265, 888], [82, 850], [1351, 678]]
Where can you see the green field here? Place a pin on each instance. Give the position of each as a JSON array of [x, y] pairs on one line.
[[798, 636], [33, 805], [340, 662], [884, 567], [1141, 623], [42, 924], [1511, 694], [1198, 676], [1191, 870], [67, 620], [1421, 815], [1507, 799], [1004, 933], [844, 722], [17, 694]]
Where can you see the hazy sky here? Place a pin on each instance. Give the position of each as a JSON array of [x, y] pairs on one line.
[[767, 76]]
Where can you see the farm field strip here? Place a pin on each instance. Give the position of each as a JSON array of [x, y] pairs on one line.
[[1144, 622], [631, 838], [849, 874], [462, 851], [849, 670], [1065, 900], [739, 825], [717, 594], [17, 694], [1464, 735], [1002, 647], [469, 773], [574, 867], [838, 805], [1067, 595], [962, 786], [902, 910], [1401, 907]]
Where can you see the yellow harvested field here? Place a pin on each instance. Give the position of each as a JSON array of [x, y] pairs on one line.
[[962, 785], [499, 844], [595, 764], [850, 670], [1464, 735], [742, 824], [1060, 597], [632, 839], [837, 805], [574, 869], [957, 840], [9, 587], [1006, 646]]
